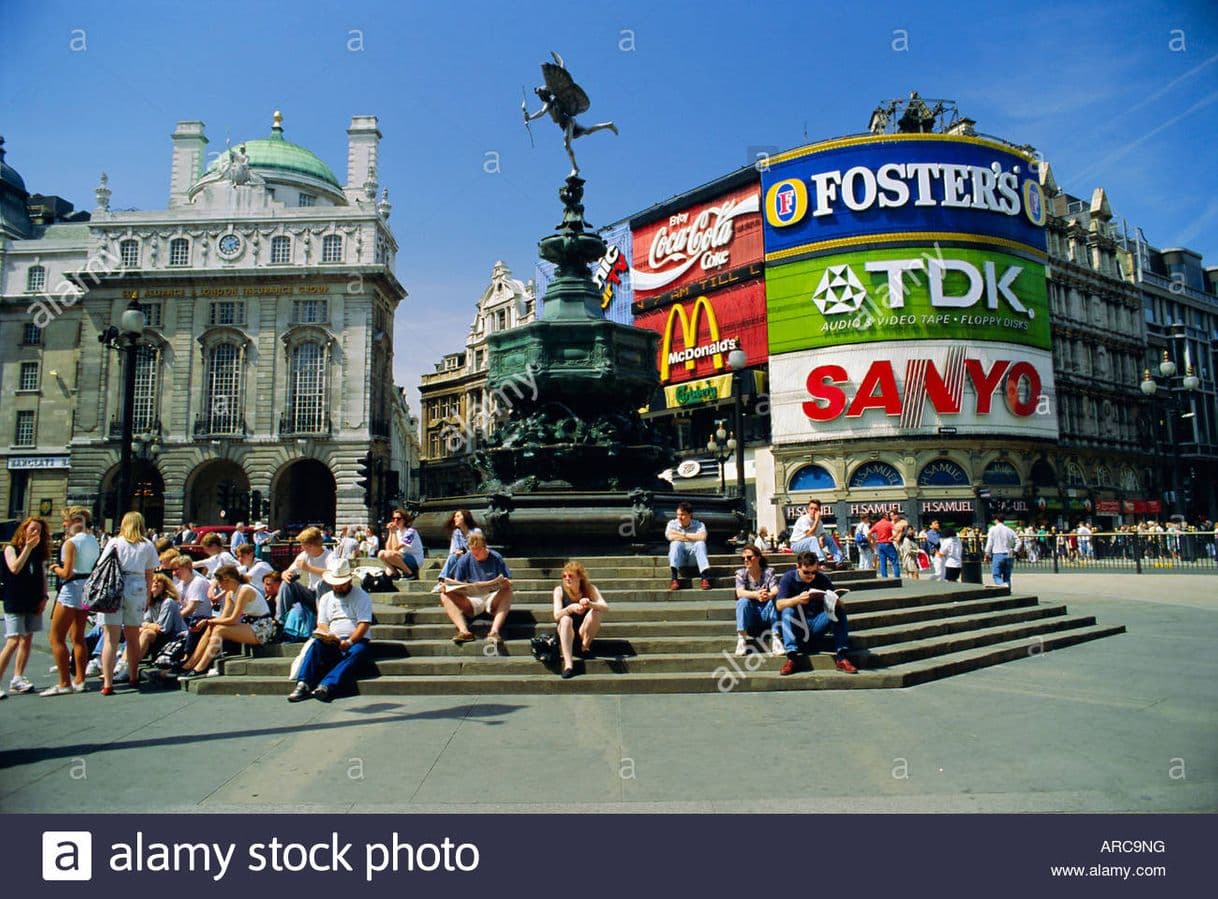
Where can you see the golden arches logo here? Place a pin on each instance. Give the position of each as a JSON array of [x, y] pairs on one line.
[[689, 337]]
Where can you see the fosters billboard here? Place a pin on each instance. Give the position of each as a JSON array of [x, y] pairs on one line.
[[913, 264], [697, 281]]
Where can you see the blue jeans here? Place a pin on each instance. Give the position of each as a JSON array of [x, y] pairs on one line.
[[326, 665], [290, 593], [888, 555], [682, 554], [798, 632], [755, 617], [1001, 568]]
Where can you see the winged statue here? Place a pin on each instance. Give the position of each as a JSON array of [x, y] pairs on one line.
[[563, 99]]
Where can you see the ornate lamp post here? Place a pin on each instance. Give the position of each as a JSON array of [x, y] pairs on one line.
[[1176, 394], [721, 445], [125, 339], [147, 448]]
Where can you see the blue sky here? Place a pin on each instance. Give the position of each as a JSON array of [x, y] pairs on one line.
[[1122, 95]]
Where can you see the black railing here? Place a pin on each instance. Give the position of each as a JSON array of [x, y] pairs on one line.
[[289, 425], [232, 427]]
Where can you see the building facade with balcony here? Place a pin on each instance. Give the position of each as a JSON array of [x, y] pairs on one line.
[[264, 373], [457, 408]]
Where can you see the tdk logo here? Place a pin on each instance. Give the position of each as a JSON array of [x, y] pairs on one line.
[[67, 855], [840, 291]]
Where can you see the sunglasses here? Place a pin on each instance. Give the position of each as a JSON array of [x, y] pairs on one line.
[[748, 558]]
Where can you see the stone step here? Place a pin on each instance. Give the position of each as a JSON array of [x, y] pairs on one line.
[[724, 677], [716, 606], [525, 622], [641, 579]]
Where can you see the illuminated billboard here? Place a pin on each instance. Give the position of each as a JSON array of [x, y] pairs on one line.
[[907, 293], [904, 388], [901, 188], [611, 274]]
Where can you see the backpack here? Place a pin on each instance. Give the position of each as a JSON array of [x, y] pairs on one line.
[[173, 653], [378, 583], [104, 586], [545, 648], [299, 624]]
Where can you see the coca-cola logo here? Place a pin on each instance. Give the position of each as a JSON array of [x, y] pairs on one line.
[[683, 243]]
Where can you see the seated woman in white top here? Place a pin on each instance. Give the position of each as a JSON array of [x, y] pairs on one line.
[[254, 570], [578, 607], [246, 618], [403, 550]]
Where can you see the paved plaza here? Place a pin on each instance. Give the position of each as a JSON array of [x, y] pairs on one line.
[[1124, 724]]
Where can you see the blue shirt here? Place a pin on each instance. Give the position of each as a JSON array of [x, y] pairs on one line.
[[468, 569], [793, 585]]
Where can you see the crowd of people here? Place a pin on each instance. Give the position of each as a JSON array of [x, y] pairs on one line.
[[181, 611]]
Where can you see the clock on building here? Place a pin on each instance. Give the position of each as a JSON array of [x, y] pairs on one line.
[[229, 245]]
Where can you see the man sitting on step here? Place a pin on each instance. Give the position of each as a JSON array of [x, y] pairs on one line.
[[340, 643], [480, 582], [687, 546], [810, 606]]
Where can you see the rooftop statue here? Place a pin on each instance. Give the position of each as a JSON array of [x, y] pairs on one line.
[[563, 99]]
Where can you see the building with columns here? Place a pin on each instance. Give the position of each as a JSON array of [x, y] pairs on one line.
[[264, 374], [457, 409]]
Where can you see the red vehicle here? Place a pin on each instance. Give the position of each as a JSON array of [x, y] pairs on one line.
[[195, 550]]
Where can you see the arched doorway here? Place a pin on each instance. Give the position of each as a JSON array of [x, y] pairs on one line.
[[303, 493], [218, 492], [147, 497]]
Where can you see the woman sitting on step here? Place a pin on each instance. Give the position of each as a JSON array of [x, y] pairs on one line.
[[246, 618], [578, 607], [460, 525]]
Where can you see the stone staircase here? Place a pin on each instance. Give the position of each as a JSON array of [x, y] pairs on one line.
[[658, 641]]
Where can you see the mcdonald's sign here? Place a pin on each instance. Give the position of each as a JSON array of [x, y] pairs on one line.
[[697, 335]]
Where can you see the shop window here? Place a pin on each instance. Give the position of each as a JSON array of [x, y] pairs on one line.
[[943, 473], [812, 477], [876, 474]]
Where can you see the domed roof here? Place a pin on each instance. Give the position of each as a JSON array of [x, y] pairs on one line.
[[8, 174], [276, 153]]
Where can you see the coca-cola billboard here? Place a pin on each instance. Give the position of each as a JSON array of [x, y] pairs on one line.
[[702, 242]]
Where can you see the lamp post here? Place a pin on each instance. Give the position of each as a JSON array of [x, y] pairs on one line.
[[147, 448], [1175, 389], [721, 445], [125, 339]]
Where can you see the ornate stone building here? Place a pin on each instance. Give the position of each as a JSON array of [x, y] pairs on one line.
[[264, 375], [457, 408]]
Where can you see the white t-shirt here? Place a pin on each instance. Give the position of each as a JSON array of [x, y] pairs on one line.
[[318, 561], [87, 552], [346, 548], [135, 558], [256, 573], [951, 549], [343, 613], [196, 590], [219, 560]]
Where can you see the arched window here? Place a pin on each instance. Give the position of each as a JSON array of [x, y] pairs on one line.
[[876, 474], [35, 278], [1074, 475], [281, 249], [179, 251], [221, 413], [812, 477], [332, 248], [129, 253], [1000, 473], [307, 388], [147, 362], [1043, 474], [1103, 477], [943, 473], [1129, 480]]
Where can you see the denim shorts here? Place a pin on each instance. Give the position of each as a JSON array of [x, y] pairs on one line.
[[71, 593], [19, 624]]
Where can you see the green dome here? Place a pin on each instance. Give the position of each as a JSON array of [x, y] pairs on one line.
[[276, 153]]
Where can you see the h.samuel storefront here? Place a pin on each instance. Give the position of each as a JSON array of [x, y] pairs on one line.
[[908, 326]]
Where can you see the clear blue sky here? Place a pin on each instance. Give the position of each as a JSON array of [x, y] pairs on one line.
[[1122, 95]]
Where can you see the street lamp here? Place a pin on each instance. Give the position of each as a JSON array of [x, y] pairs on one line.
[[125, 339], [721, 445], [147, 448], [1175, 396]]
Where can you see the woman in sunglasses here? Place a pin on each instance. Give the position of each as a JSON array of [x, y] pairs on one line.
[[403, 550], [756, 587], [578, 607]]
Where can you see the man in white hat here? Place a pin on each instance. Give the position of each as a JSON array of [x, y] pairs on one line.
[[340, 643]]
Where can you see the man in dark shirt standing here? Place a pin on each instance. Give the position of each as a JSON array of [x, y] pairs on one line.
[[809, 606]]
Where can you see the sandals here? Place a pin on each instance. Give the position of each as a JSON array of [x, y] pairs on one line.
[[462, 637]]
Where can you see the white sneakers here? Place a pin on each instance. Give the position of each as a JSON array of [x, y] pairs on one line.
[[93, 669], [741, 646], [776, 647], [21, 685], [120, 669], [57, 691]]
